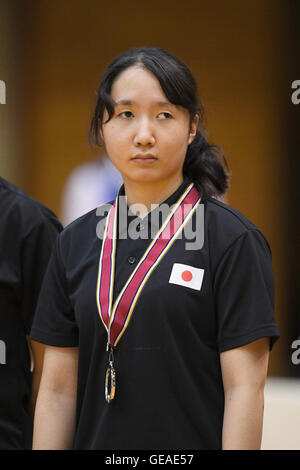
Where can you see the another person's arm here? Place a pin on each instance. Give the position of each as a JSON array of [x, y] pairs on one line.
[[55, 411], [39, 230], [244, 372]]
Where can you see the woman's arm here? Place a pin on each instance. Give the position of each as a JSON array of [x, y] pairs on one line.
[[55, 412], [244, 372], [37, 357]]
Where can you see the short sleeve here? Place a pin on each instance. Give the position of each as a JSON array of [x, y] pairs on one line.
[[35, 254], [244, 293], [54, 322]]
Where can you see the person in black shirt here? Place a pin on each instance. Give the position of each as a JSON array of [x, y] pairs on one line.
[[157, 323], [27, 234]]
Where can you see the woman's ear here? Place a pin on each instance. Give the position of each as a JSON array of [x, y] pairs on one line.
[[193, 128]]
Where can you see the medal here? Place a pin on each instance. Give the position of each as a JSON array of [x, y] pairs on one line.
[[116, 317], [110, 377]]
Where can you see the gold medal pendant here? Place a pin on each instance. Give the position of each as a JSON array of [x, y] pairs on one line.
[[110, 377]]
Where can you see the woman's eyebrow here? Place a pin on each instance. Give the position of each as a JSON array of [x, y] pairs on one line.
[[126, 102], [165, 103], [123, 102]]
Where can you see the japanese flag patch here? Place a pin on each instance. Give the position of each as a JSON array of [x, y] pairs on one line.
[[187, 276]]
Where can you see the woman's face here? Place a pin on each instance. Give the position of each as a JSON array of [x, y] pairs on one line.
[[147, 137]]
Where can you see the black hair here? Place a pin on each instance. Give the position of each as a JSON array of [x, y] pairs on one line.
[[202, 163]]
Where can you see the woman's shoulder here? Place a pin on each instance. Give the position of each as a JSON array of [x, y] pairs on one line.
[[85, 226], [225, 213], [225, 224]]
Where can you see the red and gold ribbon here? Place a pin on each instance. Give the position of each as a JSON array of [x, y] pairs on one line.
[[116, 317]]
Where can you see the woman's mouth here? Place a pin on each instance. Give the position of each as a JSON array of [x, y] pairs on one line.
[[144, 158]]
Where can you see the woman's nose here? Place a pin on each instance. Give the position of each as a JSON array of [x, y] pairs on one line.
[[144, 134]]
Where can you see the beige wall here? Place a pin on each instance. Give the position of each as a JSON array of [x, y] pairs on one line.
[[281, 415], [8, 143]]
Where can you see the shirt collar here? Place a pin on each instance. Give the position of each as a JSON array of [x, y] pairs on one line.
[[157, 216]]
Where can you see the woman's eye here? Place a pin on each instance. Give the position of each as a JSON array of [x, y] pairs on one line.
[[164, 115], [126, 114]]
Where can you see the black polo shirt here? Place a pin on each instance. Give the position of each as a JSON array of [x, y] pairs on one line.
[[169, 391], [27, 233]]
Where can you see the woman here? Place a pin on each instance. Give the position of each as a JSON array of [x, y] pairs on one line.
[[152, 344]]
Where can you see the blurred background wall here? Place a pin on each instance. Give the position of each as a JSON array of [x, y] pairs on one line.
[[244, 55], [9, 70]]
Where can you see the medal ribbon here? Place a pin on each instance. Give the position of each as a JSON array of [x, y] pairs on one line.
[[116, 317]]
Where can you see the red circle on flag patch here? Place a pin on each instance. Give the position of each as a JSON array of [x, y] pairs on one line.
[[187, 276]]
